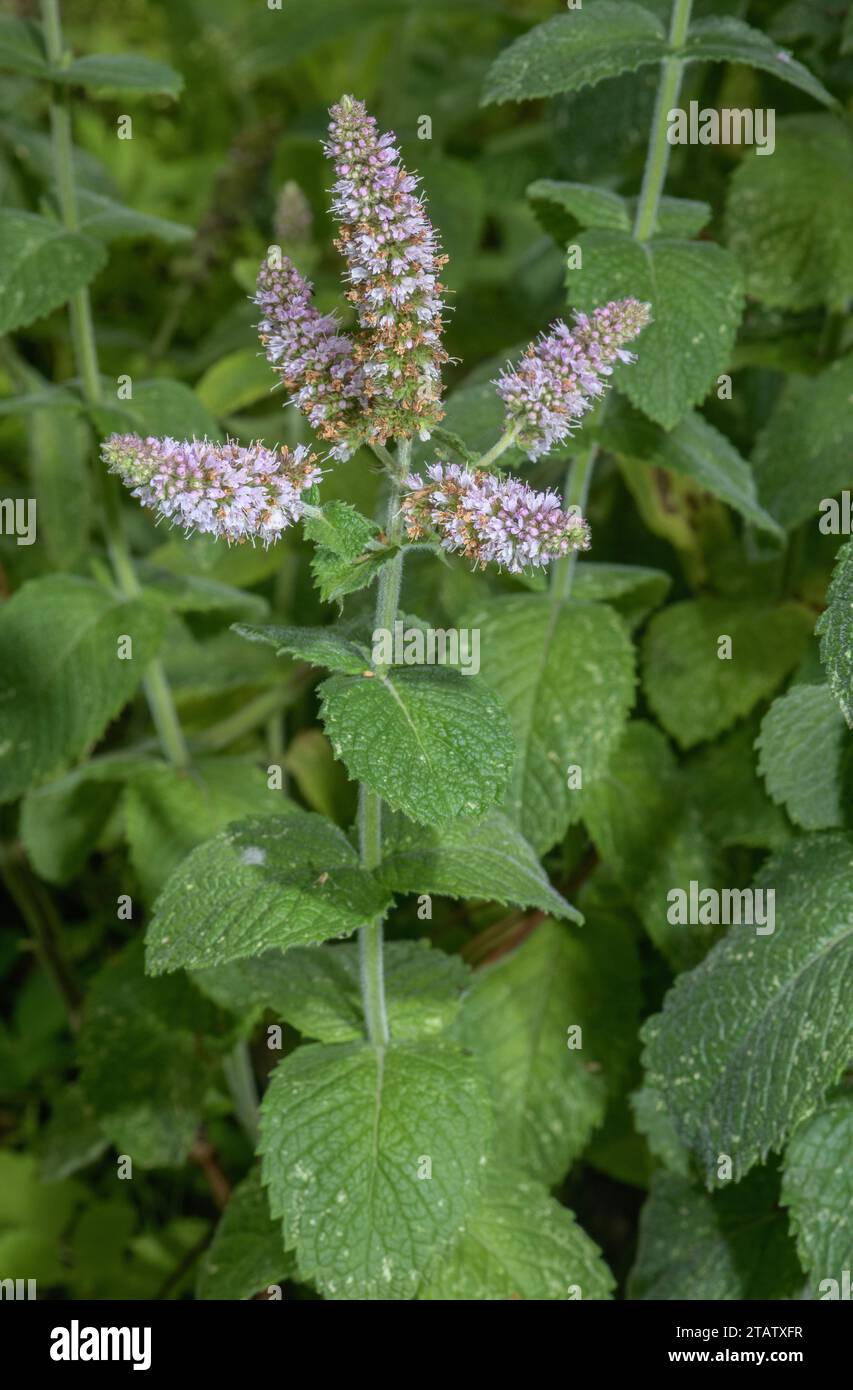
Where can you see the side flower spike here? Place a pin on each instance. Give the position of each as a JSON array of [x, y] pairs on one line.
[[312, 357], [393, 258], [228, 491], [491, 519], [559, 377]]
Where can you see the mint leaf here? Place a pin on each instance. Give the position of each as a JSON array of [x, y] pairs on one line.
[[816, 1188], [564, 207], [159, 407], [725, 788], [21, 47], [321, 646], [434, 744], [341, 529], [145, 1065], [111, 221], [749, 1042], [639, 819], [724, 39], [802, 455], [633, 590], [120, 72], [695, 693], [345, 1131], [487, 859], [234, 382], [268, 881], [246, 1255], [695, 291], [168, 811], [61, 678], [41, 266], [699, 1247], [835, 626], [317, 989], [520, 1244], [789, 219], [548, 1098], [800, 747], [576, 50], [696, 450], [565, 676]]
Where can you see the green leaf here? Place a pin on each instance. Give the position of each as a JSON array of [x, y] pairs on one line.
[[725, 788], [696, 450], [269, 881], [433, 743], [749, 1042], [582, 205], [111, 221], [342, 529], [235, 381], [802, 455], [835, 626], [246, 1255], [654, 1123], [548, 1097], [486, 859], [191, 593], [60, 451], [816, 1188], [168, 811], [576, 50], [21, 47], [72, 1138], [633, 590], [520, 1244], [696, 295], [789, 219], [699, 1247], [160, 407], [317, 989], [694, 692], [41, 266], [61, 679], [120, 72], [723, 39], [60, 822], [639, 819], [678, 217], [145, 1065], [345, 1131], [800, 747], [321, 646], [347, 557], [566, 678]]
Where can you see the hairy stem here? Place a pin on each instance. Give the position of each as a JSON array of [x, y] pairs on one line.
[[370, 803], [657, 157], [156, 686], [578, 481], [505, 442]]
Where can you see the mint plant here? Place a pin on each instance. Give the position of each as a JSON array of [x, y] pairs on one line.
[[425, 675]]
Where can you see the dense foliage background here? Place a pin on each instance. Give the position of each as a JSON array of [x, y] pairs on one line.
[[705, 510]]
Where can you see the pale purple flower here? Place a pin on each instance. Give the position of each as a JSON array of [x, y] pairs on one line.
[[393, 261], [228, 491], [491, 519], [560, 377], [312, 357]]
